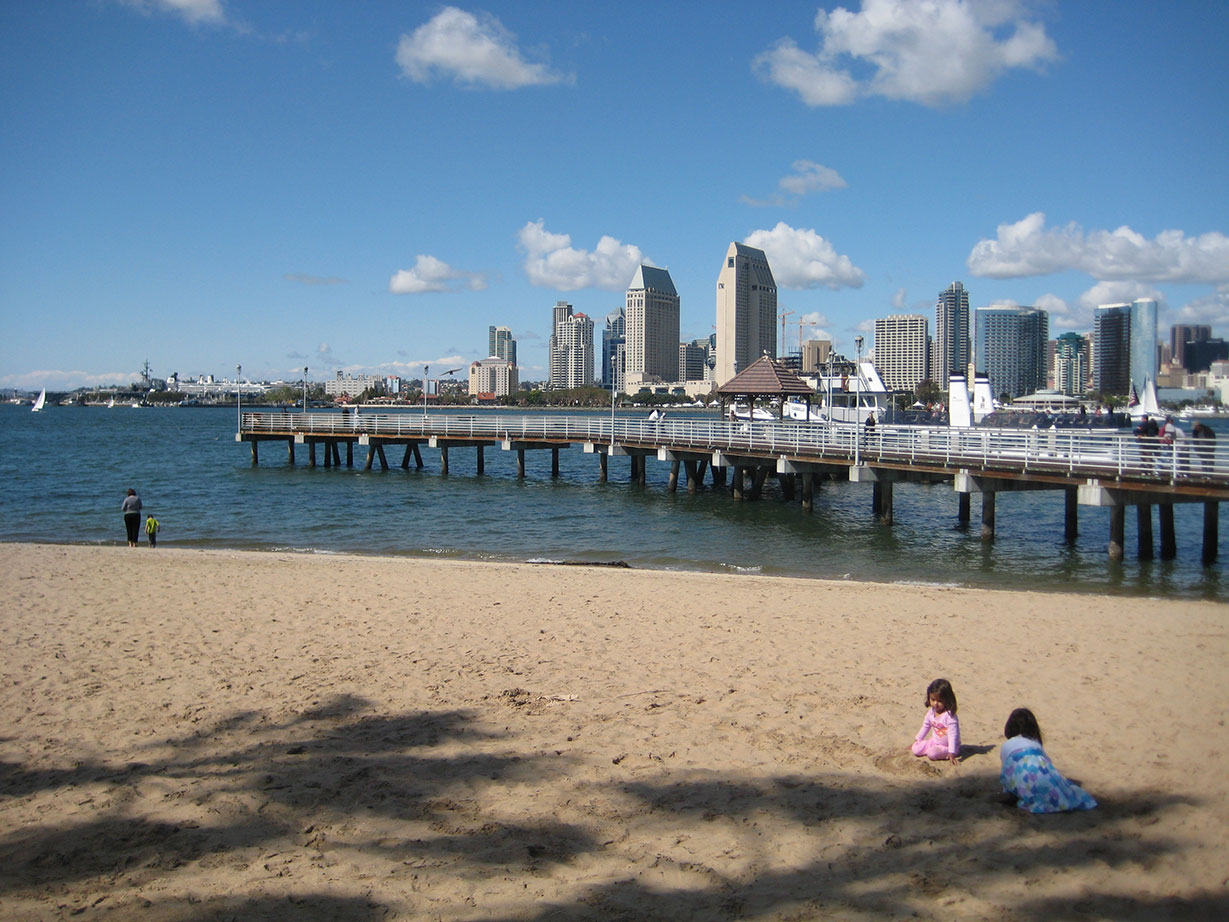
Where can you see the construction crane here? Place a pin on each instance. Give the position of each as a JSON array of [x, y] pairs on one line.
[[783, 315]]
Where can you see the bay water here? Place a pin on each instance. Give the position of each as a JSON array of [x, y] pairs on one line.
[[66, 471]]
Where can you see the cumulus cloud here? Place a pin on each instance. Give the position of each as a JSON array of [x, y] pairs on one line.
[[1029, 248], [801, 258], [552, 262], [194, 11], [808, 176], [1211, 309], [473, 50], [900, 299], [934, 53], [431, 274], [61, 380]]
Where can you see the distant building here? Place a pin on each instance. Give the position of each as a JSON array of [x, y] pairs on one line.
[[1200, 354], [901, 350], [345, 385], [1180, 334], [1070, 364], [500, 343], [1143, 345], [571, 348], [746, 311], [493, 376], [651, 317], [1012, 349], [950, 346], [613, 342], [693, 360], [815, 353]]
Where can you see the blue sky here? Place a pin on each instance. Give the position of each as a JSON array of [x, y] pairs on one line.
[[368, 186]]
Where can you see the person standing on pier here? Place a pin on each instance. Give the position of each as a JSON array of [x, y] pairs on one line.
[[131, 508]]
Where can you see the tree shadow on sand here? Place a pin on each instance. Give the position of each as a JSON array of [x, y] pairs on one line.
[[272, 799]]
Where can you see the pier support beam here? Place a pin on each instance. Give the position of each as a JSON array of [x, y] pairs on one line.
[[1143, 519], [311, 454], [808, 492], [554, 462], [1211, 516], [1071, 528], [1118, 515], [642, 470], [520, 464], [481, 460], [290, 451], [1169, 544], [349, 454], [604, 462], [787, 482], [383, 459], [987, 515], [736, 487], [672, 483], [371, 455], [962, 510], [443, 460], [881, 501], [255, 453], [417, 457], [689, 470]]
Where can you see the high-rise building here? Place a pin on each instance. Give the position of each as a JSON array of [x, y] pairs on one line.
[[613, 342], [493, 375], [746, 311], [1143, 341], [1111, 361], [651, 315], [501, 343], [1070, 364], [1013, 344], [901, 350], [693, 360], [571, 348], [950, 346], [1180, 334], [815, 353], [1200, 354]]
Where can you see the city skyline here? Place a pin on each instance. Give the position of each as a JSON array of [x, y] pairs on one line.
[[206, 183]]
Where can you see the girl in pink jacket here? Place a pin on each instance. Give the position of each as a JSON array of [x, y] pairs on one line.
[[939, 737]]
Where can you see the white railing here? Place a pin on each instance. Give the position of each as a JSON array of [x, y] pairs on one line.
[[1059, 451]]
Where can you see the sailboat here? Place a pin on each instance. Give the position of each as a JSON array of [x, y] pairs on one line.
[[38, 404]]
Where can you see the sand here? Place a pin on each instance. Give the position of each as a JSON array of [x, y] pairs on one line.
[[210, 735]]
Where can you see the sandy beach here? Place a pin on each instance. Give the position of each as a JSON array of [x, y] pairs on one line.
[[211, 735]]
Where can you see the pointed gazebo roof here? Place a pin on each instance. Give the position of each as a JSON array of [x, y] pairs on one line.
[[765, 377]]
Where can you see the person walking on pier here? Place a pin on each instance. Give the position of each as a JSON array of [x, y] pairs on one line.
[[151, 530], [131, 508]]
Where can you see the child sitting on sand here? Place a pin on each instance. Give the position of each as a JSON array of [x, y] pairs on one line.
[[1030, 776], [940, 724]]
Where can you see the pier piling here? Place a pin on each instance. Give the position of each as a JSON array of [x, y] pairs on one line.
[[987, 515], [1143, 518], [1118, 515], [1071, 529], [1169, 542]]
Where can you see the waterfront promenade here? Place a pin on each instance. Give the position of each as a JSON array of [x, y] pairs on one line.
[[1093, 468]]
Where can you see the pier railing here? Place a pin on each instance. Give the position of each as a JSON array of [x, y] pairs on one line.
[[1058, 451]]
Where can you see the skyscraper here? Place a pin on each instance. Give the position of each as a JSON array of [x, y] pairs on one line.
[[1111, 361], [1143, 341], [501, 343], [613, 341], [652, 328], [1013, 344], [950, 347], [1070, 364], [746, 311], [693, 359], [493, 375], [571, 348], [901, 350], [1180, 334]]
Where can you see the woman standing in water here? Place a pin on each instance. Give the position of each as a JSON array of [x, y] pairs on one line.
[[131, 509]]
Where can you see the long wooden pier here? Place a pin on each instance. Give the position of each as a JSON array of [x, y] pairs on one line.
[[1092, 468]]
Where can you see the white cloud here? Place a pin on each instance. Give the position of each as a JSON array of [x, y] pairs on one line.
[[552, 261], [808, 176], [801, 258], [194, 11], [1211, 309], [1117, 292], [473, 50], [431, 274], [1029, 248], [60, 380], [900, 299], [935, 53]]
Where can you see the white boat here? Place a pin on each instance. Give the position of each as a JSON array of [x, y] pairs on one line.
[[847, 398], [111, 404], [38, 404], [754, 414]]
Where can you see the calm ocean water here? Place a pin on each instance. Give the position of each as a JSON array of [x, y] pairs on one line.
[[66, 471]]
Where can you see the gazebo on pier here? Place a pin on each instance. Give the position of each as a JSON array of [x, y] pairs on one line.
[[765, 378]]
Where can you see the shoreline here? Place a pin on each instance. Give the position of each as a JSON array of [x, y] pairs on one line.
[[196, 733]]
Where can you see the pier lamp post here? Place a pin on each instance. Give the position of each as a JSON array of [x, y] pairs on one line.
[[857, 400], [425, 371], [239, 397], [304, 388], [614, 387]]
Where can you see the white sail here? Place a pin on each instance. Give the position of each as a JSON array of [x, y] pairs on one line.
[[42, 399]]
